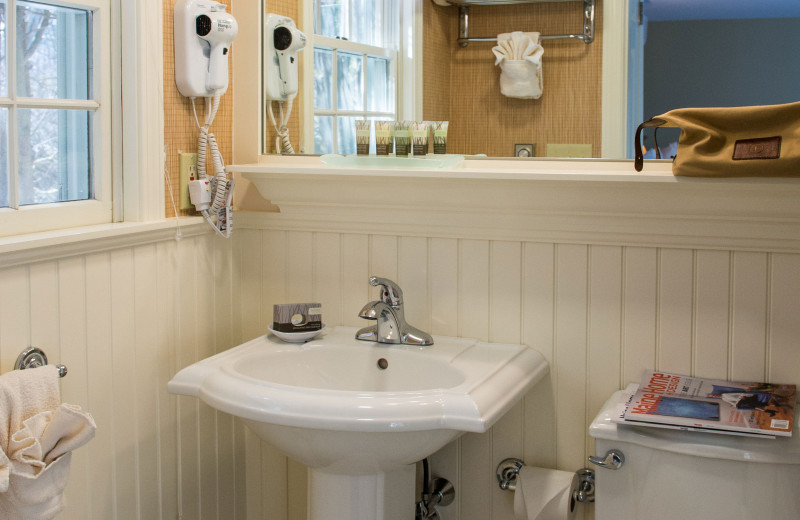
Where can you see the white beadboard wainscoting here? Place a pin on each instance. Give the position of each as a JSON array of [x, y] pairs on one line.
[[599, 314], [605, 279], [602, 289], [123, 311]]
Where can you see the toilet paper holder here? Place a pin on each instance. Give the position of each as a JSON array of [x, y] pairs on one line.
[[508, 470]]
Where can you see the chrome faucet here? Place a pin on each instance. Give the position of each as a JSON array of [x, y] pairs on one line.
[[391, 326]]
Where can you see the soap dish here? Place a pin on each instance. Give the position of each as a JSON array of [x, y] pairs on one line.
[[297, 337]]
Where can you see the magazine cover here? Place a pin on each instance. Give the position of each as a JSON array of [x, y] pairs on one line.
[[671, 399]]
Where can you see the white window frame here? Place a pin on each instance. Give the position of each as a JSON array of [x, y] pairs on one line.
[[365, 51], [406, 67], [127, 124]]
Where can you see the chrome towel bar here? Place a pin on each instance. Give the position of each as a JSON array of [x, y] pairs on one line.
[[33, 357], [587, 36]]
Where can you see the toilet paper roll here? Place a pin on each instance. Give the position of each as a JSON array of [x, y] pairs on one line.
[[544, 494]]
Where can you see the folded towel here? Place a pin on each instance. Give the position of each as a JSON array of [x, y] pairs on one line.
[[39, 497], [519, 56], [47, 436], [36, 442], [516, 45]]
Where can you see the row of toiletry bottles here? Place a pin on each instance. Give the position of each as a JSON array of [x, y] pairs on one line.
[[403, 136]]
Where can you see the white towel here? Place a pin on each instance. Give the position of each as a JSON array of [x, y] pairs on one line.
[[39, 497], [23, 394], [37, 436], [519, 56]]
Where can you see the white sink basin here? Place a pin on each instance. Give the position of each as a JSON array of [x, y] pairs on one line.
[[300, 395], [328, 404]]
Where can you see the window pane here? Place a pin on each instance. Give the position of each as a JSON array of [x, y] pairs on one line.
[[372, 22], [323, 78], [3, 157], [328, 19], [53, 156], [3, 61], [347, 135], [323, 134], [349, 81], [52, 47], [380, 87]]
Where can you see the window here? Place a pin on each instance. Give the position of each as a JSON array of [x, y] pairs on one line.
[[54, 126], [359, 68]]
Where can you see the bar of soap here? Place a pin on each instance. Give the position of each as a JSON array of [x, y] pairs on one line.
[[296, 317]]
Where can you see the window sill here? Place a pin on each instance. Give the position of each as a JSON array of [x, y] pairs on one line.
[[578, 201], [49, 245]]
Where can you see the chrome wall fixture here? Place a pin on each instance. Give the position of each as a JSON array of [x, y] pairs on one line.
[[614, 459], [463, 23], [33, 357], [438, 492], [508, 470]]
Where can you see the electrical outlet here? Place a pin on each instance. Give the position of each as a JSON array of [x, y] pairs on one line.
[[524, 150], [187, 166]]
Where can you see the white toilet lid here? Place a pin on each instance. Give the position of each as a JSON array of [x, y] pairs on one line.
[[782, 450]]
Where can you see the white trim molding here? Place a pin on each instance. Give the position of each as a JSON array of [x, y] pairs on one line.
[[64, 243], [587, 202], [614, 93], [143, 108]]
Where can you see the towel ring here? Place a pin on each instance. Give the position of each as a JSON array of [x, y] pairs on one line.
[[33, 357]]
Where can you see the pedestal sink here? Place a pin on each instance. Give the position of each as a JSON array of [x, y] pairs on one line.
[[360, 415]]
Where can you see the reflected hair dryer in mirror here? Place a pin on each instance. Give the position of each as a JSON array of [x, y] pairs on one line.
[[282, 42]]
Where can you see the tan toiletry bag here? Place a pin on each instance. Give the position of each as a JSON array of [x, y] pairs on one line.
[[753, 141]]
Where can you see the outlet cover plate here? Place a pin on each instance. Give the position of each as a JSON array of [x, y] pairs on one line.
[[187, 168], [524, 150]]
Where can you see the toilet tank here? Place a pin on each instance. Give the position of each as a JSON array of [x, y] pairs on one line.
[[674, 474]]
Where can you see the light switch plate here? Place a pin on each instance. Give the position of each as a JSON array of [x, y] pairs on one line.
[[569, 150]]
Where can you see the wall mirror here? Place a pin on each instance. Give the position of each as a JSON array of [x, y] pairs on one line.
[[646, 58]]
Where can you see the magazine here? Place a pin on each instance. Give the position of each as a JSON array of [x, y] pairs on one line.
[[684, 402]]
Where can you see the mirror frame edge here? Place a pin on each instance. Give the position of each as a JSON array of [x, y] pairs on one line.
[[246, 53], [614, 82]]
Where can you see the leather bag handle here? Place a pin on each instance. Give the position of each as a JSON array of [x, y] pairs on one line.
[[638, 157]]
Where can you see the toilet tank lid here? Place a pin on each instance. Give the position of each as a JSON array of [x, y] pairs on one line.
[[782, 450]]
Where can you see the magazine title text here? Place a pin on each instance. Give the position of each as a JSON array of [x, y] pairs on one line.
[[659, 385]]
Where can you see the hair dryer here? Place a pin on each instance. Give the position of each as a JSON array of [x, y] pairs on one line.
[[218, 28], [203, 33], [282, 41]]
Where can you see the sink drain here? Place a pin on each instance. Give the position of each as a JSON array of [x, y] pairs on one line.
[[383, 364]]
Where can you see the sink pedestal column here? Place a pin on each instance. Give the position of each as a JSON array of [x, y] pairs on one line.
[[384, 496]]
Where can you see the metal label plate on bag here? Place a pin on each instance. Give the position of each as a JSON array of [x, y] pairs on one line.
[[759, 148]]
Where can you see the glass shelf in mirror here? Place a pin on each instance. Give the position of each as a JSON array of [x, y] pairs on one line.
[[427, 162]]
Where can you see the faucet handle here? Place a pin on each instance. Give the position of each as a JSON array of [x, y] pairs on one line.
[[391, 293]]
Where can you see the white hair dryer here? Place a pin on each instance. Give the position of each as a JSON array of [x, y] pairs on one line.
[[203, 34], [282, 41], [218, 28]]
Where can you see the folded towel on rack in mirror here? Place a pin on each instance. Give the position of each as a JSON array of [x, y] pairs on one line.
[[519, 56], [37, 436]]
